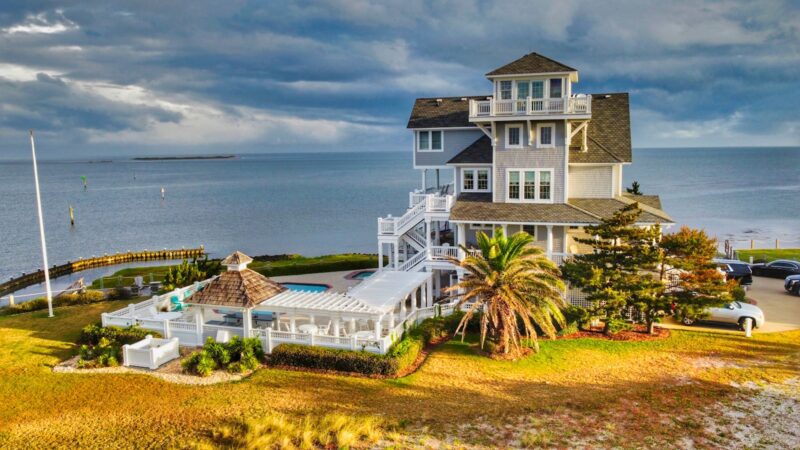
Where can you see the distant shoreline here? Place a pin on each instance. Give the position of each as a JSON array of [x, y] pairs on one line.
[[173, 158]]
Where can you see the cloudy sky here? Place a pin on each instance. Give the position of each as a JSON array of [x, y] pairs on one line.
[[107, 78]]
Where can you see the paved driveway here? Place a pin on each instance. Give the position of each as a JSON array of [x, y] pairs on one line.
[[781, 310]]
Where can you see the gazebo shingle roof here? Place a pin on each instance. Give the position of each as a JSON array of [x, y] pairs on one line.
[[239, 288]]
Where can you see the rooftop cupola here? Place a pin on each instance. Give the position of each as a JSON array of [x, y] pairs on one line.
[[236, 261]]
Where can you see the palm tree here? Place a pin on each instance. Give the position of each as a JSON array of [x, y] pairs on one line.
[[510, 280]]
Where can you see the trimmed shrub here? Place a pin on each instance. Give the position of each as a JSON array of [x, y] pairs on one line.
[[38, 304], [576, 318], [401, 356], [105, 354], [199, 363], [615, 325], [92, 334]]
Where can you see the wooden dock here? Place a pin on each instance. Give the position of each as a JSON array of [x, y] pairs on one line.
[[29, 279]]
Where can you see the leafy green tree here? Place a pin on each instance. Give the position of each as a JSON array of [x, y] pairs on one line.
[[618, 273], [510, 281]]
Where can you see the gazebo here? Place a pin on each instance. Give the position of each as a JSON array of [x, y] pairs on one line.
[[231, 297]]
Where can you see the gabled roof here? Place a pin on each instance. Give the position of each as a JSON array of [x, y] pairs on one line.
[[479, 152], [609, 138], [531, 63], [450, 112], [606, 207], [237, 288]]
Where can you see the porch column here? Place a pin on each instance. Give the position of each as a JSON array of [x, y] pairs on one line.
[[424, 180], [461, 235], [428, 294], [428, 237], [505, 230], [247, 321], [292, 323], [380, 255], [352, 325], [437, 282], [436, 237], [336, 330], [403, 307], [397, 254], [414, 300], [378, 327], [550, 242]]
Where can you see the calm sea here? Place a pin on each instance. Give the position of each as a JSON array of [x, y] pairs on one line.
[[327, 203]]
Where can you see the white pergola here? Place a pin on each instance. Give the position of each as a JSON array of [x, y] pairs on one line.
[[382, 298]]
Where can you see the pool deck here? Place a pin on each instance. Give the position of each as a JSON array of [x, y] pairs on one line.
[[336, 280]]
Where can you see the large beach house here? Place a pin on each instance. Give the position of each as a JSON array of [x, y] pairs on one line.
[[534, 155]]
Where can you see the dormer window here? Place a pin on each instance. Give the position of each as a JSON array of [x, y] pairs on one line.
[[429, 141]]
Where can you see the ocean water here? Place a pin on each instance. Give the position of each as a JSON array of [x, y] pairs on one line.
[[317, 204]]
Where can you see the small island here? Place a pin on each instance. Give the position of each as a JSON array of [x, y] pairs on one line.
[[180, 158]]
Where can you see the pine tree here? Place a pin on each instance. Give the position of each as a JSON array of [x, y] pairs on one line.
[[619, 272], [634, 189]]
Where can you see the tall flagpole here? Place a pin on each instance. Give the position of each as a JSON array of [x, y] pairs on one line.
[[41, 231]]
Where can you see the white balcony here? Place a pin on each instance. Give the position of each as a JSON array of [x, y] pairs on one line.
[[420, 205], [578, 105]]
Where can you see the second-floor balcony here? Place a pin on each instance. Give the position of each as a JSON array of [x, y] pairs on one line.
[[576, 105]]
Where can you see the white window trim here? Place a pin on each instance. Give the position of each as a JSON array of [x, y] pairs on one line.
[[536, 198], [475, 179], [521, 135], [481, 226], [430, 141], [539, 127]]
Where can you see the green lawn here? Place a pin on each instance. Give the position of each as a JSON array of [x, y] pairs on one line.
[[295, 265], [631, 394], [769, 254]]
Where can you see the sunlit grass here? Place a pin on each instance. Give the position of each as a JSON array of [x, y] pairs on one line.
[[769, 254], [628, 391]]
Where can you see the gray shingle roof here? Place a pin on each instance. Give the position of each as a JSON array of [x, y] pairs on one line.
[[237, 288], [451, 112], [531, 63], [609, 139], [479, 152], [480, 208]]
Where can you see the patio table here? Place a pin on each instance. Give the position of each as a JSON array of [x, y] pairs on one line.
[[308, 328]]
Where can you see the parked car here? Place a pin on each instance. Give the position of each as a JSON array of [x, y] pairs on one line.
[[732, 313], [780, 268], [736, 270], [792, 284]]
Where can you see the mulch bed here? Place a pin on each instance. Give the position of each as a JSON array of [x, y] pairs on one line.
[[638, 333]]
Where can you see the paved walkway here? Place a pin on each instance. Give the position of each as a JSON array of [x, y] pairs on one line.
[[336, 280], [781, 310]]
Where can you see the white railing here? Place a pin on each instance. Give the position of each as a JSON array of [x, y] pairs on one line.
[[442, 252], [580, 104], [560, 258], [421, 203], [412, 262]]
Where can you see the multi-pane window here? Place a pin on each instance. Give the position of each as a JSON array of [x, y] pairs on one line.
[[555, 88], [429, 141], [475, 180], [513, 135], [544, 186], [513, 185], [537, 88], [483, 180], [530, 185], [469, 180], [545, 136], [505, 90]]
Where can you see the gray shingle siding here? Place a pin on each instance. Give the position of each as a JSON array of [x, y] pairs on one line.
[[454, 142], [529, 157]]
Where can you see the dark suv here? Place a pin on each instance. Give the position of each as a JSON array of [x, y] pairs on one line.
[[736, 270], [780, 268]]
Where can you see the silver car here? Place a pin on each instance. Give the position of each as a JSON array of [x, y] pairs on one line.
[[732, 313]]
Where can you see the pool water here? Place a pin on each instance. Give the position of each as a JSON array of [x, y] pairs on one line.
[[306, 287], [363, 275]]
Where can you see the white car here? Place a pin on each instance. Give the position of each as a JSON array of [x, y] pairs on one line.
[[732, 313]]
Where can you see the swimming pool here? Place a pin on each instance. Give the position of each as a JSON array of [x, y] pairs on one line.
[[306, 287], [363, 275]]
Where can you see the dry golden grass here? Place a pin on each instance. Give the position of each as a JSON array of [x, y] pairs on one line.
[[632, 393]]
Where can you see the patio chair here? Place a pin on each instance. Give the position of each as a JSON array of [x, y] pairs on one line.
[[176, 304], [323, 329]]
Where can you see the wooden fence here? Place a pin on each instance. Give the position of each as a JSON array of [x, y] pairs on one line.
[[29, 279]]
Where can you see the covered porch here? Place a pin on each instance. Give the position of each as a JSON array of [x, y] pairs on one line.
[[554, 239]]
